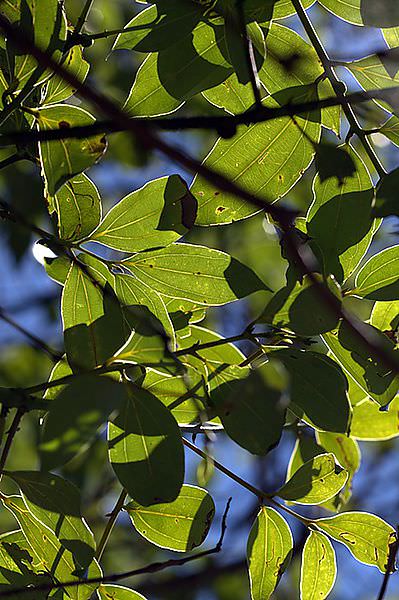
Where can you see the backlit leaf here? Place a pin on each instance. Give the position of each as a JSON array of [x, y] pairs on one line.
[[90, 400], [316, 481], [180, 525], [269, 552], [145, 449], [379, 277], [63, 159], [367, 536], [195, 273], [152, 217], [117, 592], [318, 567], [370, 423]]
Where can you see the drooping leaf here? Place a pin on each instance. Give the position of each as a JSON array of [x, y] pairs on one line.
[[316, 481], [376, 380], [379, 277], [367, 536], [92, 317], [269, 552], [339, 221], [77, 205], [370, 423], [90, 400], [145, 449], [117, 592], [318, 389], [195, 273], [56, 503], [266, 158], [48, 551], [63, 159], [318, 567], [152, 217], [250, 407], [180, 525]]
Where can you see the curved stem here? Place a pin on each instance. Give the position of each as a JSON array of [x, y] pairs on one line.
[[10, 438]]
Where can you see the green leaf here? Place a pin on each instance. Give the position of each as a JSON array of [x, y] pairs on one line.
[[152, 217], [233, 96], [58, 268], [380, 13], [367, 536], [379, 277], [117, 592], [145, 449], [269, 552], [90, 400], [60, 369], [77, 205], [152, 30], [266, 158], [290, 62], [385, 315], [63, 159], [44, 23], [180, 525], [48, 551], [171, 391], [318, 389], [57, 89], [300, 309], [377, 382], [339, 220], [250, 408], [17, 568], [148, 327], [92, 317], [369, 423], [391, 129], [56, 503], [386, 202], [347, 453], [318, 567], [165, 80], [195, 273], [316, 481]]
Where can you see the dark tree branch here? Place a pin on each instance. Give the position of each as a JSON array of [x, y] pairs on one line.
[[152, 568]]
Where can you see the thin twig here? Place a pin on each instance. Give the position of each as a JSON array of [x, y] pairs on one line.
[[245, 484], [37, 342], [152, 568], [337, 86], [10, 437], [223, 124], [110, 525], [249, 53]]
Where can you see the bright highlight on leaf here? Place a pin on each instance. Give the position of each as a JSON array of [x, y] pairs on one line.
[[318, 567], [180, 525]]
